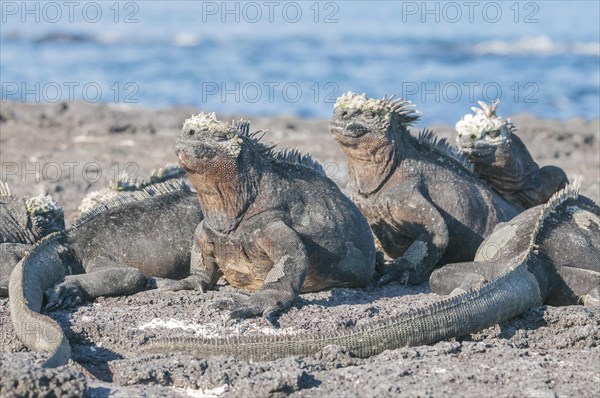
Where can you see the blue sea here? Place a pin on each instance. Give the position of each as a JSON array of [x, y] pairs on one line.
[[275, 57]]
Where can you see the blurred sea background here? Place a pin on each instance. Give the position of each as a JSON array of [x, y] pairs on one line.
[[269, 58]]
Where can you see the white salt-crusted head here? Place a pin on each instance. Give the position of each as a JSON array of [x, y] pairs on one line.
[[208, 125], [42, 204], [484, 124], [383, 107], [361, 101]]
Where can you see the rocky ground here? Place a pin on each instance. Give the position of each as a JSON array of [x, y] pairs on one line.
[[68, 150]]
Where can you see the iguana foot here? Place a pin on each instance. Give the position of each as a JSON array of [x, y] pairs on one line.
[[266, 303], [591, 299], [402, 271], [64, 295]]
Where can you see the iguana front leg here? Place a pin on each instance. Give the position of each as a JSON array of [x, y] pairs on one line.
[[282, 285], [204, 271], [423, 254], [104, 277]]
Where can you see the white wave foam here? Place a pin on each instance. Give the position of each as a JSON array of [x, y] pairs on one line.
[[186, 39], [538, 45]]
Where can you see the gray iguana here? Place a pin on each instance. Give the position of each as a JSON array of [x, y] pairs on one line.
[[425, 205], [274, 223], [23, 221], [547, 254], [109, 250], [500, 157]]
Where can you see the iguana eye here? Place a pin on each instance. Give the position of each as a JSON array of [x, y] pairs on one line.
[[494, 133], [191, 133]]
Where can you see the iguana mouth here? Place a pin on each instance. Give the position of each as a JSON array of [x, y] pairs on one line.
[[184, 161], [478, 149], [348, 129]]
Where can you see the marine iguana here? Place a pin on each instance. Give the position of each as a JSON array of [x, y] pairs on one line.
[[110, 250], [500, 157], [425, 205], [547, 254], [274, 223], [127, 238], [23, 221]]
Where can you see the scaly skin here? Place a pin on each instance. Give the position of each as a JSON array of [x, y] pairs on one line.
[[108, 251], [425, 207], [23, 221], [527, 270], [274, 223], [500, 157]]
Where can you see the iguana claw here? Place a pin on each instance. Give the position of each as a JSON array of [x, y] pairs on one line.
[[266, 303]]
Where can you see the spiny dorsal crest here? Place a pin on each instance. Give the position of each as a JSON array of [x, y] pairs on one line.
[[482, 122], [42, 204], [294, 156], [168, 172], [442, 146], [5, 190], [208, 125], [242, 128], [568, 192], [117, 200], [54, 236], [127, 183], [384, 107]]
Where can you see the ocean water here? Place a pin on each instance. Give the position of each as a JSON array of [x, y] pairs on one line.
[[268, 58]]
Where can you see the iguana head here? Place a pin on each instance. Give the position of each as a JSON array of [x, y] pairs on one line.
[[223, 163], [45, 214], [481, 133], [370, 132]]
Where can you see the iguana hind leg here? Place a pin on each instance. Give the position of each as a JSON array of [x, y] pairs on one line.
[[105, 278]]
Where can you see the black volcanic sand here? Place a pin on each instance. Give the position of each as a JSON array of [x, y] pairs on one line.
[[68, 150]]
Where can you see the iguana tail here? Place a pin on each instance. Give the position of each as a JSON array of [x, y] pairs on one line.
[[40, 269], [503, 298]]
